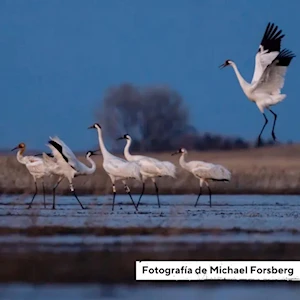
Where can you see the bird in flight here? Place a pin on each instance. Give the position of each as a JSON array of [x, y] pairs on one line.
[[269, 74]]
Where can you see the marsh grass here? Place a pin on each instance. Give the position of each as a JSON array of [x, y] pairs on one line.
[[269, 170]]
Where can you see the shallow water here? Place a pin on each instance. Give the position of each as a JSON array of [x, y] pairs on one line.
[[222, 291], [257, 227], [238, 211]]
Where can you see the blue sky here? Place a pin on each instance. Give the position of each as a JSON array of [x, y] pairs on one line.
[[58, 57]]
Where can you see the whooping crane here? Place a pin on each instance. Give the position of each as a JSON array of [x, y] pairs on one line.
[[203, 171], [116, 167], [149, 167], [268, 78], [36, 168], [69, 165]]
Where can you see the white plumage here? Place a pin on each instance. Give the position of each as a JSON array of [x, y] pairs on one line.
[[68, 165], [149, 167], [203, 171], [36, 168], [269, 75], [116, 167]]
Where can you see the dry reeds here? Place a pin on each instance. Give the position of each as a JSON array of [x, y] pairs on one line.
[[269, 170]]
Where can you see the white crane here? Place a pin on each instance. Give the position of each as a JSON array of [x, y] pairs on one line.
[[149, 167], [116, 167], [203, 171], [51, 165], [68, 165], [36, 168], [268, 79]]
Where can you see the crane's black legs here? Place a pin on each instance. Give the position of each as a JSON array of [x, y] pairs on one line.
[[114, 195], [44, 195], [143, 189], [274, 123], [127, 189], [209, 194], [200, 192], [53, 191], [73, 191], [29, 206], [156, 189], [259, 139]]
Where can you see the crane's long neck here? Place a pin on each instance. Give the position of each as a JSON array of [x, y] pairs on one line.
[[243, 83], [101, 143], [92, 169], [182, 161], [127, 155], [20, 156]]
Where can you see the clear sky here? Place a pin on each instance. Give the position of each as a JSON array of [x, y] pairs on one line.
[[58, 57]]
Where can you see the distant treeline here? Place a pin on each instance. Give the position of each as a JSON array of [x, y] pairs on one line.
[[157, 119]]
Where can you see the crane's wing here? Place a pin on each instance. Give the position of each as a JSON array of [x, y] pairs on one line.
[[272, 80], [149, 166], [58, 154], [169, 169], [32, 159], [49, 158], [269, 48], [214, 172], [36, 167], [122, 168], [65, 152]]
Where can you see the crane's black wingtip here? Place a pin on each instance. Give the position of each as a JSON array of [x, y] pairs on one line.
[[272, 37], [284, 58]]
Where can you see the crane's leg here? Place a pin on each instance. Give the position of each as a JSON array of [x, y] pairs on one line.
[[143, 189], [156, 189], [200, 192], [44, 194], [127, 190], [29, 206], [54, 189], [209, 190], [274, 123], [114, 195], [73, 191], [259, 139]]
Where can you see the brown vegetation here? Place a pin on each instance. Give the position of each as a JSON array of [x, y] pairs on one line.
[[268, 170]]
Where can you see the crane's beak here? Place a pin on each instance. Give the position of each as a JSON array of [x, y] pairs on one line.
[[91, 127], [175, 153], [15, 148], [222, 66], [120, 138], [94, 152]]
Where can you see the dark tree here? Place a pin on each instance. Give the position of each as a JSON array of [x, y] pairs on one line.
[[155, 117]]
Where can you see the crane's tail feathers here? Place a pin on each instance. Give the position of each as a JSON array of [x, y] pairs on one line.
[[280, 97], [274, 99]]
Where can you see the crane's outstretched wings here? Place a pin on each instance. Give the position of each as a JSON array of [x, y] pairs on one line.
[[268, 50], [272, 79], [64, 151]]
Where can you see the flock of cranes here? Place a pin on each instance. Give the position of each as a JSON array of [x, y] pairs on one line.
[[64, 164], [265, 90]]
